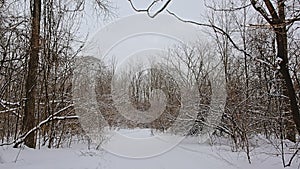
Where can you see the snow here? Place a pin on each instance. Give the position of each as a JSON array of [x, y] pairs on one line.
[[188, 154]]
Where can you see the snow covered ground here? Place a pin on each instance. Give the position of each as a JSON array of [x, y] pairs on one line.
[[188, 154]]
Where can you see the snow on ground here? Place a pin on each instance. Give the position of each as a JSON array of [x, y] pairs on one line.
[[188, 154]]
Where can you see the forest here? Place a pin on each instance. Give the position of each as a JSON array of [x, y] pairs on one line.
[[45, 94]]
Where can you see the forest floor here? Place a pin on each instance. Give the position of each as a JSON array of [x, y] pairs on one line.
[[188, 154]]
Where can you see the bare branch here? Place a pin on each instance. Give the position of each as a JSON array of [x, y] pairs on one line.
[[261, 10], [231, 9], [142, 10], [271, 9], [292, 20], [221, 31], [105, 7], [148, 9]]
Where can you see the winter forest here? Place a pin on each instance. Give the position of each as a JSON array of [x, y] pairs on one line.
[[229, 98]]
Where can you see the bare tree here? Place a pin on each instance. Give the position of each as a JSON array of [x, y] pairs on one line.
[[275, 15], [38, 44], [279, 22], [257, 42]]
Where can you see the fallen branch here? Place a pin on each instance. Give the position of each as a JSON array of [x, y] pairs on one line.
[[52, 117]]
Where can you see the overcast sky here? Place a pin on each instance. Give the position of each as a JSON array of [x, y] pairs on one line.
[[130, 34], [187, 9]]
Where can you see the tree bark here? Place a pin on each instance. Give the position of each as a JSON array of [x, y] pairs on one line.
[[282, 52], [277, 20], [281, 38], [31, 81]]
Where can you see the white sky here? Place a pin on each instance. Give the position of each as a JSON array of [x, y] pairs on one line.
[[187, 9], [103, 40]]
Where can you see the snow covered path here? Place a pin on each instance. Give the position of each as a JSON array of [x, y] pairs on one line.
[[187, 155]]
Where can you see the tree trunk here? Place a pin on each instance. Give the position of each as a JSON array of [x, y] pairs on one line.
[[277, 19], [30, 86], [281, 38], [282, 52]]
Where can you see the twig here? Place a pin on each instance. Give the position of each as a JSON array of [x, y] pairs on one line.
[[220, 30], [231, 9]]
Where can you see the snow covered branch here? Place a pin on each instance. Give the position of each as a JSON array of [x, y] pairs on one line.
[[21, 139], [6, 105]]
